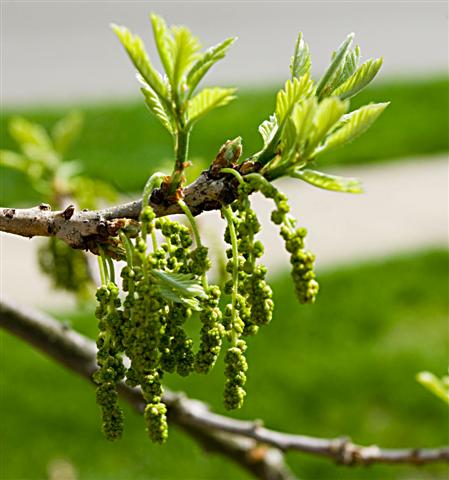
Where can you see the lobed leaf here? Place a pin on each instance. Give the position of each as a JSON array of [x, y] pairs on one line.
[[300, 62], [172, 296], [267, 129], [136, 51], [359, 79], [303, 116], [294, 91], [207, 100], [185, 285], [352, 125], [206, 61], [164, 43], [185, 53], [328, 182], [328, 112], [324, 87], [157, 108]]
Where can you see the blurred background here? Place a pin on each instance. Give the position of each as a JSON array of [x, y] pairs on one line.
[[345, 366]]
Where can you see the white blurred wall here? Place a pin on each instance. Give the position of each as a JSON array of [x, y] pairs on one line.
[[65, 52]]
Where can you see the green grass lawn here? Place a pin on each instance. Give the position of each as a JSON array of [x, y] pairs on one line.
[[343, 366], [123, 143]]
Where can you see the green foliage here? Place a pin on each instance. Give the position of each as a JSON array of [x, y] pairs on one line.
[[300, 62], [328, 182], [309, 118], [116, 131], [169, 98], [333, 72], [205, 62], [157, 108], [135, 49], [359, 79], [207, 100], [352, 126]]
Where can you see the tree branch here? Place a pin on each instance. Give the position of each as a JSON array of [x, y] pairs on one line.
[[84, 229], [246, 442]]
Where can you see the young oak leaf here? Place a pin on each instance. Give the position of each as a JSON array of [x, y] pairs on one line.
[[359, 79], [352, 125], [186, 49], [135, 48], [300, 62], [324, 87], [157, 108], [328, 182], [267, 129], [293, 92], [164, 43], [328, 112], [211, 56], [207, 100]]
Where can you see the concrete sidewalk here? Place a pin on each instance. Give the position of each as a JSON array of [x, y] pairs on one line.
[[405, 208]]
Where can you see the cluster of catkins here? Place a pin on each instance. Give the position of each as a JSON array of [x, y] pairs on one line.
[[147, 325]]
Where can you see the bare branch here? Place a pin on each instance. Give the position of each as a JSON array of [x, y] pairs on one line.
[[246, 442], [83, 229]]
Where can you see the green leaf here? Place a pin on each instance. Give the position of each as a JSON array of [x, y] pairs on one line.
[[329, 111], [328, 182], [289, 140], [207, 100], [66, 131], [13, 160], [183, 284], [211, 56], [353, 125], [294, 91], [300, 62], [359, 79], [136, 50], [157, 108], [439, 387], [164, 43], [345, 70], [185, 53], [171, 296], [267, 129], [324, 87], [28, 133], [303, 116]]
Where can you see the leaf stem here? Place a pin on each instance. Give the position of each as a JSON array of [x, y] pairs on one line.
[[196, 233], [181, 151], [234, 172], [103, 267], [128, 247], [110, 263], [154, 181]]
